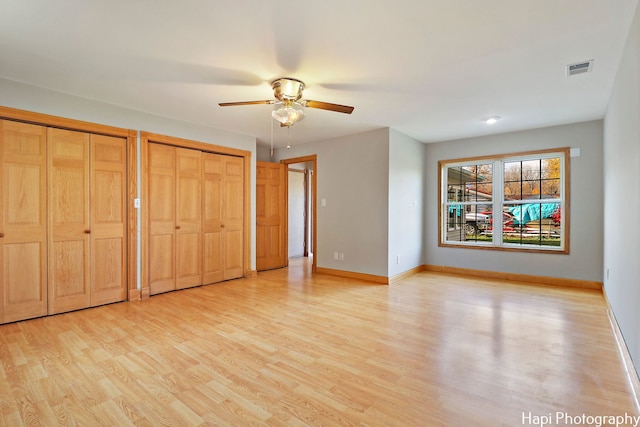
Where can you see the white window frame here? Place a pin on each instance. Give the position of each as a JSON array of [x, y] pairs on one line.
[[498, 201]]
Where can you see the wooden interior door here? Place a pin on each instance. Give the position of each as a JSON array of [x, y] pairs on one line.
[[69, 220], [189, 218], [162, 220], [23, 226], [270, 216], [108, 219], [233, 217]]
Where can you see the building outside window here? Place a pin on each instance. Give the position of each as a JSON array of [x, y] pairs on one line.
[[528, 191]]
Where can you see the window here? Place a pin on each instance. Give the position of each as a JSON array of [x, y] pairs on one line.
[[528, 190]]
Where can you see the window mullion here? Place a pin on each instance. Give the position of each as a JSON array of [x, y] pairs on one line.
[[498, 194]]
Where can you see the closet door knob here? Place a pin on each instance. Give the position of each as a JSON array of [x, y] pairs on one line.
[[87, 231], [177, 227], [221, 225], [1, 235]]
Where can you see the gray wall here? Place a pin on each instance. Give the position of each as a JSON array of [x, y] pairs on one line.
[[263, 153], [30, 98], [585, 260], [353, 179], [406, 202], [622, 194]]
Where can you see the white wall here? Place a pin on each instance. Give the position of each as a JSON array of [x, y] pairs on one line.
[[585, 260], [353, 179], [297, 213], [406, 202], [30, 98], [622, 194]]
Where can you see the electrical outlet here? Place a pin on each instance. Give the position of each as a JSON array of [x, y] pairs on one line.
[[397, 259], [341, 257], [335, 255]]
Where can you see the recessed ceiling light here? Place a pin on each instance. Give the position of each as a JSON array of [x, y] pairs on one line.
[[492, 120]]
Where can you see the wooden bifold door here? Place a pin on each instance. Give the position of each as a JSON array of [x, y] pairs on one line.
[[87, 201], [196, 217], [175, 218], [223, 217], [23, 221], [63, 221]]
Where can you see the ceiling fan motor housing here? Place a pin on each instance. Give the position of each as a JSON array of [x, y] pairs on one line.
[[287, 89]]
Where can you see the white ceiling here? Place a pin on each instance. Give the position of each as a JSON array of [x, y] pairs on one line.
[[432, 69]]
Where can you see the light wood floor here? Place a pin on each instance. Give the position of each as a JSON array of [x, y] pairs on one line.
[[287, 348]]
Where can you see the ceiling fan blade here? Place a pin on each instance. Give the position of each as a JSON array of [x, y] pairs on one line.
[[289, 48], [230, 104], [149, 69], [327, 106]]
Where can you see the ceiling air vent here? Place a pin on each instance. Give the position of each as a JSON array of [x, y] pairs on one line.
[[579, 68]]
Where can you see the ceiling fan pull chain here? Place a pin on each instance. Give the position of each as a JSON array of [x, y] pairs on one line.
[[271, 138]]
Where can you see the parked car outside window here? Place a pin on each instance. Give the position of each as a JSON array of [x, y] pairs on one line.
[[477, 222]]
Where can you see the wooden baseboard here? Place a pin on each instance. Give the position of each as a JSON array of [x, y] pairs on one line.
[[353, 275], [542, 280], [250, 273], [405, 274], [629, 367]]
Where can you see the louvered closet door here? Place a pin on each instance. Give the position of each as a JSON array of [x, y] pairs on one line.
[[108, 219], [162, 220], [69, 220], [23, 227]]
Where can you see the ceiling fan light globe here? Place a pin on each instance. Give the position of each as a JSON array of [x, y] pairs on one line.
[[287, 115]]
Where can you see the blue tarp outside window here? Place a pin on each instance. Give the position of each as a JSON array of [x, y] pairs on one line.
[[533, 211]]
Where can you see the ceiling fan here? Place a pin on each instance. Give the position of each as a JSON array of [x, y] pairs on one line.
[[288, 92]]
